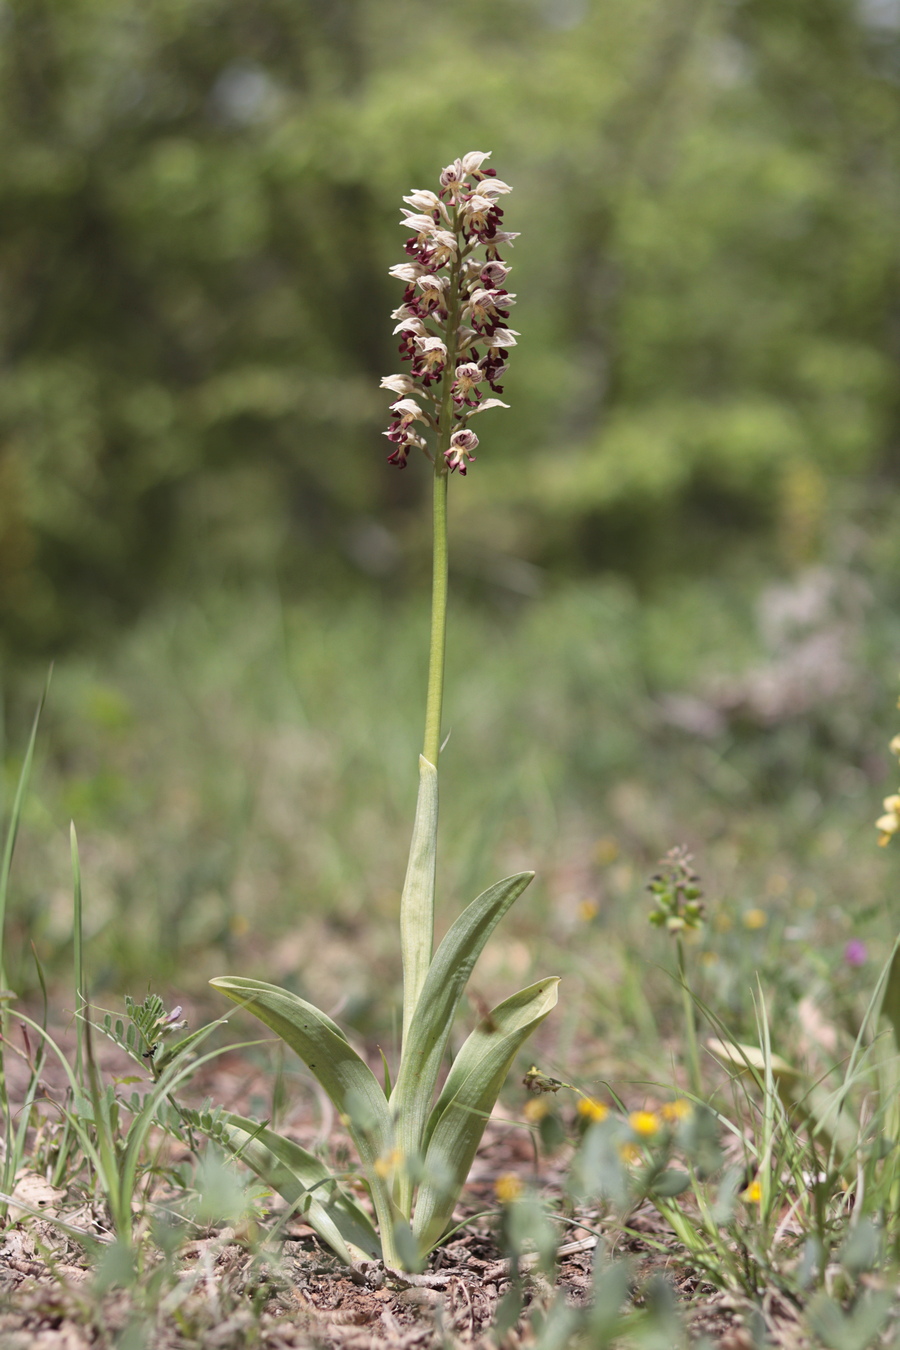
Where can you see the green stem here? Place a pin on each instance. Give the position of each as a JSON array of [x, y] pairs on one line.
[[432, 744], [690, 1026]]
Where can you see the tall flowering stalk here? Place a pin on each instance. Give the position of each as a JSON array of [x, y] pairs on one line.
[[453, 335], [416, 1143]]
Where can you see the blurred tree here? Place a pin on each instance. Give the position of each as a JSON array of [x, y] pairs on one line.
[[198, 204]]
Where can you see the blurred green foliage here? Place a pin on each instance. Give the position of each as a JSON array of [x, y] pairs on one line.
[[198, 205]]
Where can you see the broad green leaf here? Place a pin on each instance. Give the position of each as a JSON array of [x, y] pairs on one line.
[[417, 900], [461, 1112], [294, 1174], [423, 1048], [324, 1049]]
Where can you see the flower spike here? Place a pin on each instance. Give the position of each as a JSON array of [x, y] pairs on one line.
[[453, 316]]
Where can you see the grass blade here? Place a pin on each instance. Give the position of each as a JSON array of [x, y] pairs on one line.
[[78, 941], [13, 828]]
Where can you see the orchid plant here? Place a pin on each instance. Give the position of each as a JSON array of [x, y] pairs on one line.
[[416, 1142]]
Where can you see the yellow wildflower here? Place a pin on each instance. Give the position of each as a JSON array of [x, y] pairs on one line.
[[675, 1111], [508, 1187], [755, 918], [644, 1123], [630, 1153], [587, 910], [895, 745], [591, 1109], [535, 1109], [753, 1194]]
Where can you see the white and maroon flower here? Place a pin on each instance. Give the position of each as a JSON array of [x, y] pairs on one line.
[[411, 323], [432, 287], [444, 248], [408, 272], [502, 337], [414, 220], [408, 410], [424, 200], [485, 308], [472, 161], [476, 211], [462, 443], [491, 273], [491, 187], [431, 357], [468, 377], [403, 385], [488, 403], [403, 443], [497, 240]]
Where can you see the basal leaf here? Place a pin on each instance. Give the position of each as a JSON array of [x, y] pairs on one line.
[[423, 1048], [417, 900], [461, 1112], [324, 1049], [294, 1174]]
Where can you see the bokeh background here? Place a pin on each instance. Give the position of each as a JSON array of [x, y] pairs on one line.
[[674, 563]]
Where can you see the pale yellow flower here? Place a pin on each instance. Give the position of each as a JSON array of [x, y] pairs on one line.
[[889, 823], [508, 1187], [753, 1194], [755, 918]]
